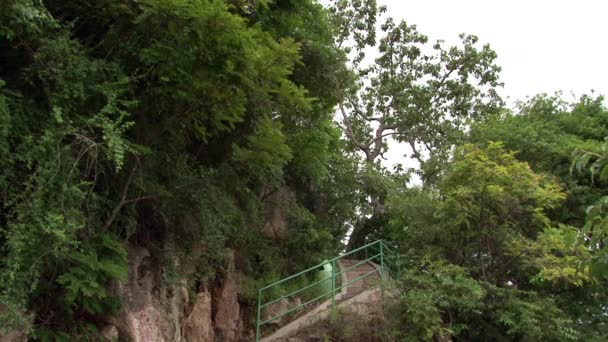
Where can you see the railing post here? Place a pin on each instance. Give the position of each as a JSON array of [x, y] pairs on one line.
[[257, 322], [333, 283], [381, 269]]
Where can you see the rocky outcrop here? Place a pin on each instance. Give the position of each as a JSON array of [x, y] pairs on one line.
[[142, 317], [110, 333], [199, 324], [227, 318], [12, 336], [276, 206], [152, 311]]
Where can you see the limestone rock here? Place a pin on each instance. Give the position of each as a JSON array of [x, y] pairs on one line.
[[276, 207], [12, 336], [110, 333], [227, 315], [199, 324], [143, 317], [153, 311]]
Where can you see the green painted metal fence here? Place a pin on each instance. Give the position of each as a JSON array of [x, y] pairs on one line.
[[377, 251]]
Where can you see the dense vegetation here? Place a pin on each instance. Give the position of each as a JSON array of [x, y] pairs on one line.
[[172, 123]]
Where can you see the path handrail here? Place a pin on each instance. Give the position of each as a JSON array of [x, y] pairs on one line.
[[380, 250]]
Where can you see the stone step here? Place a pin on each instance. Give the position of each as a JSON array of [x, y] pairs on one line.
[[353, 273]]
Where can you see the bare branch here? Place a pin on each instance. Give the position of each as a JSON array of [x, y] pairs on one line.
[[415, 152], [389, 134], [141, 198], [349, 131], [267, 192], [377, 142], [123, 201], [357, 110], [441, 82]]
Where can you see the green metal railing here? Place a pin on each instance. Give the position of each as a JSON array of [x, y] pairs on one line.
[[376, 251]]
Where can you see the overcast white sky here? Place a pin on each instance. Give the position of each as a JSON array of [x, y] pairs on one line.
[[542, 45]]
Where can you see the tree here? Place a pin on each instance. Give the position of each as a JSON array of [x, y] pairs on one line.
[[420, 94], [490, 201], [544, 132], [482, 258]]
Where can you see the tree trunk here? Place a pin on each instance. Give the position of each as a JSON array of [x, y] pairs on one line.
[[364, 229], [366, 226]]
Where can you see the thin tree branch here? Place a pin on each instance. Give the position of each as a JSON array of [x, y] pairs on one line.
[[357, 110], [441, 82], [389, 134], [415, 152], [350, 133], [123, 201], [377, 142], [141, 198]]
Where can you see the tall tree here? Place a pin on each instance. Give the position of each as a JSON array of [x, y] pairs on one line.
[[415, 92]]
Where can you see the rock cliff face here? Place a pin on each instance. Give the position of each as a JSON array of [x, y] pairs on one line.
[[12, 336], [155, 311], [198, 325], [145, 312], [276, 209], [227, 318], [152, 311]]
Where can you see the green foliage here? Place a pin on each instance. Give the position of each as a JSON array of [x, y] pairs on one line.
[[5, 126], [433, 291], [418, 94], [160, 124], [24, 18], [526, 316], [84, 281], [227, 69], [482, 258], [414, 92], [595, 230], [357, 20], [167, 124], [266, 153], [561, 140], [491, 199], [556, 258], [224, 59], [544, 132]]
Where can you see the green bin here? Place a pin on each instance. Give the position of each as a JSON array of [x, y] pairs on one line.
[[325, 274]]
